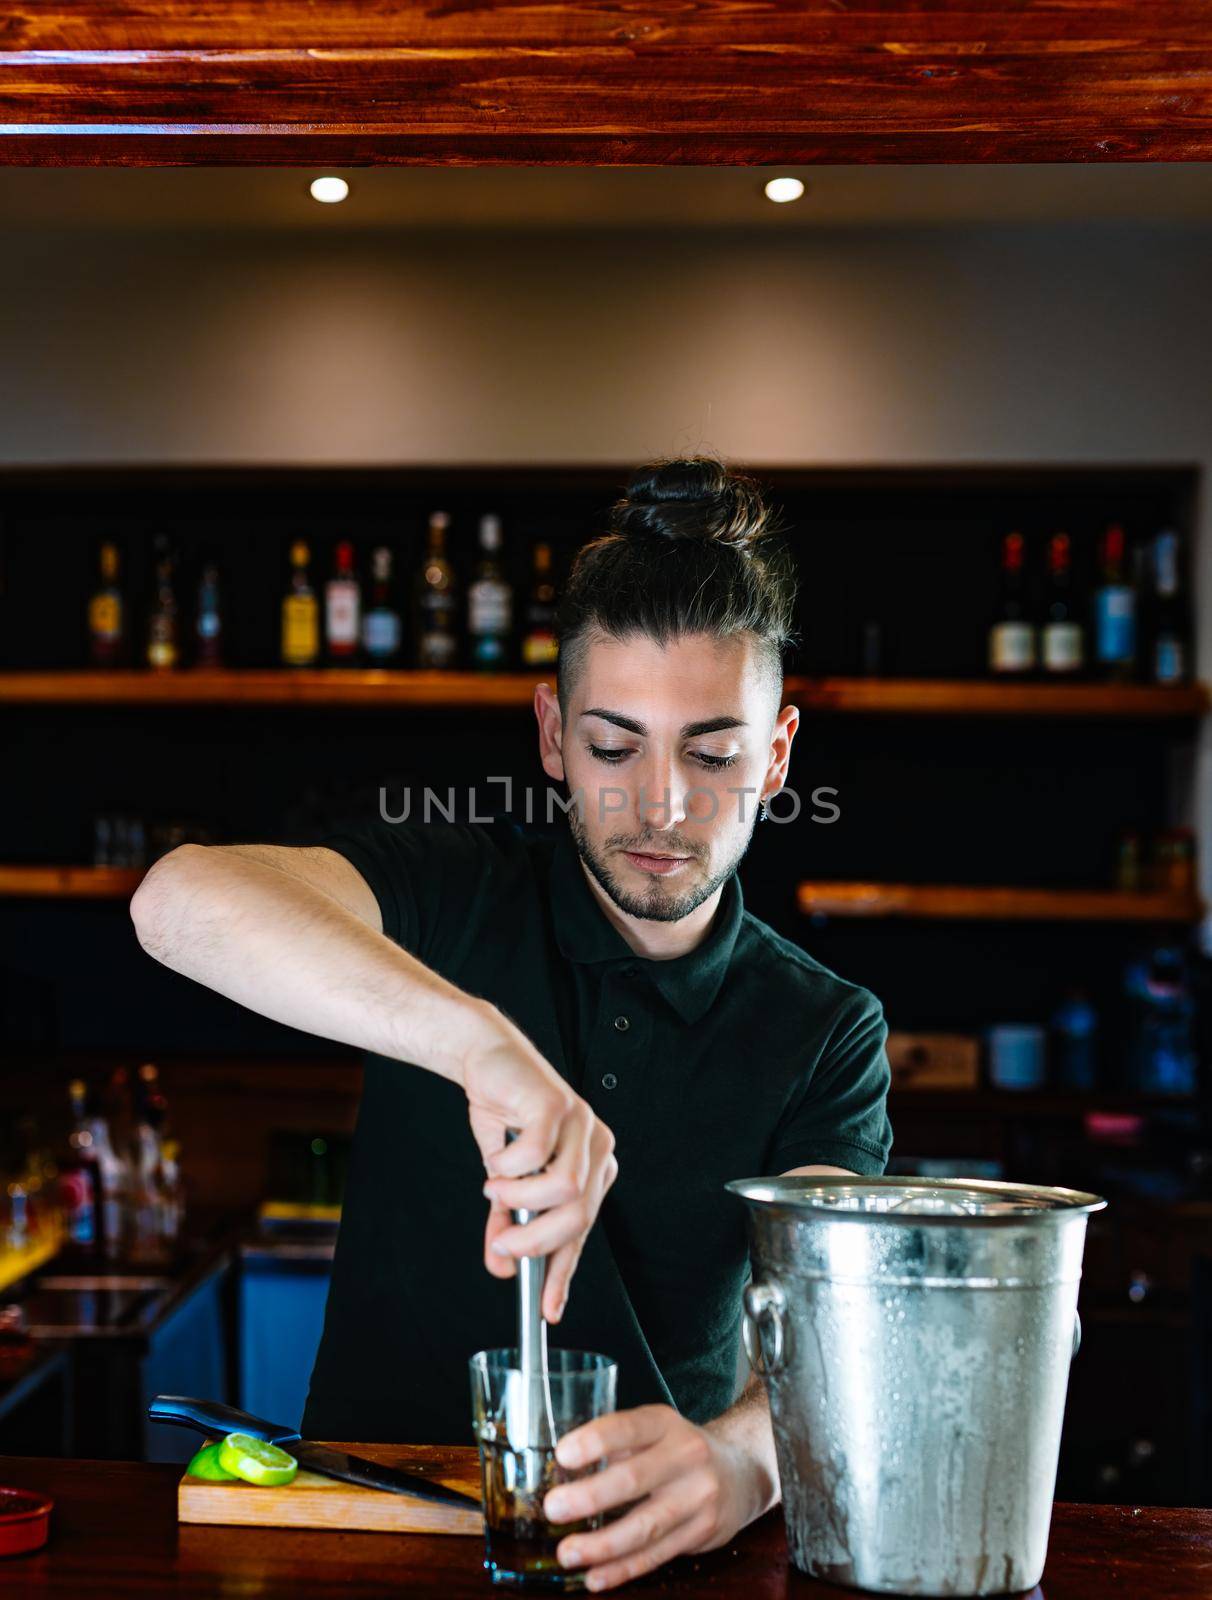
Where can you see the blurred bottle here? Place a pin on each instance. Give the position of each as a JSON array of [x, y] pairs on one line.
[[489, 602], [1129, 874], [300, 612], [1012, 636], [343, 607], [163, 634], [145, 1193], [435, 597], [208, 623], [1114, 609], [1169, 658], [381, 619], [172, 1201], [1062, 642], [79, 1180], [1172, 869], [107, 612], [1074, 1031], [540, 647], [1161, 1057], [113, 1182]]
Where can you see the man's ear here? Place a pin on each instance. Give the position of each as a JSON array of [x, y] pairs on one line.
[[785, 725], [551, 731]]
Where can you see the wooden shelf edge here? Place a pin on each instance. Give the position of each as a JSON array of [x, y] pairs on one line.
[[981, 697], [69, 883], [337, 686], [961, 902], [271, 687]]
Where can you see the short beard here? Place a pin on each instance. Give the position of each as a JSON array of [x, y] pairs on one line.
[[653, 905]]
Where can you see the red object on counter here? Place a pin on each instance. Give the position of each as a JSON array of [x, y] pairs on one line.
[[24, 1521]]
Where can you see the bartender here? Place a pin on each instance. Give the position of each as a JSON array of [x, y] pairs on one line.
[[603, 991]]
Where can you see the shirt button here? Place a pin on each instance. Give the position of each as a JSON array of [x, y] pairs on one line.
[[622, 1024], [610, 1081]]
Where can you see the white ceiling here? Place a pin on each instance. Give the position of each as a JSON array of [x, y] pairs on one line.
[[522, 198]]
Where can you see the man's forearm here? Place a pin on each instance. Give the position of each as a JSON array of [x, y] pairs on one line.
[[293, 953], [745, 1429]]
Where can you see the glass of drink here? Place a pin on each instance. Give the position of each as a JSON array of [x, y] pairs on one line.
[[520, 1541]]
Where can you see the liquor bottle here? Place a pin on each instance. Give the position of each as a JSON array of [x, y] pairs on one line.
[[208, 623], [79, 1182], [435, 598], [1012, 636], [106, 612], [343, 607], [113, 1184], [489, 602], [146, 1199], [163, 640], [172, 1198], [300, 612], [1074, 1042], [1062, 644], [539, 645], [381, 619], [1169, 654], [1114, 609]]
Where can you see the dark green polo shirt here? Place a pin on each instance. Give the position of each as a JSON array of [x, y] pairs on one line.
[[744, 1057]]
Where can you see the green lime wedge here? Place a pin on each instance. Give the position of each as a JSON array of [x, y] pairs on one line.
[[256, 1462], [206, 1465]]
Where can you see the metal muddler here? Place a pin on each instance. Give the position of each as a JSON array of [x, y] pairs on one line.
[[529, 1424]]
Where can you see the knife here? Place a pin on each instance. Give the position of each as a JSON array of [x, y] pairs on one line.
[[212, 1418]]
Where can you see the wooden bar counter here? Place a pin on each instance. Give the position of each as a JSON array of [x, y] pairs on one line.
[[114, 1533]]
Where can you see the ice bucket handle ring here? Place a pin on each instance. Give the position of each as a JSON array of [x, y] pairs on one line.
[[764, 1303]]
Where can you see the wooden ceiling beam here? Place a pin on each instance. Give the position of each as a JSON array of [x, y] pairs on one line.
[[721, 82]]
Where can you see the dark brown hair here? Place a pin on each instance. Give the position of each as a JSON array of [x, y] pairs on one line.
[[692, 547]]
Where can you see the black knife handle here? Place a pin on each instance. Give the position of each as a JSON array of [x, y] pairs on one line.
[[209, 1416]]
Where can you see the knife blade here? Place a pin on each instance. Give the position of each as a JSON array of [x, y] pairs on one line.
[[213, 1418], [356, 1469]]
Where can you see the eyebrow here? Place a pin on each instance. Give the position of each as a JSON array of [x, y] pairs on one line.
[[690, 730]]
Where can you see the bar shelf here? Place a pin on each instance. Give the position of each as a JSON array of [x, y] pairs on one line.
[[372, 687]]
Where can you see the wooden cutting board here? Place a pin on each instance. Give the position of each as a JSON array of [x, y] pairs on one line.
[[312, 1501]]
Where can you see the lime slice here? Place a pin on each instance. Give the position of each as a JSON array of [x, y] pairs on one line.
[[256, 1462], [206, 1465]]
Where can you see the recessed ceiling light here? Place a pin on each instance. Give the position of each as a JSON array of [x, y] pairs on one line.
[[780, 190], [329, 190]]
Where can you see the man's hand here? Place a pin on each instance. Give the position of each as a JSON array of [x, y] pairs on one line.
[[561, 1164], [694, 1490]]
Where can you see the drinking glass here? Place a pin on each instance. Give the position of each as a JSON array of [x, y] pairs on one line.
[[520, 1542]]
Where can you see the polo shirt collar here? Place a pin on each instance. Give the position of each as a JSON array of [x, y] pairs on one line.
[[585, 934]]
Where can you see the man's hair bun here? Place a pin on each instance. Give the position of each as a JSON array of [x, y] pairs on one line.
[[692, 547], [693, 497]]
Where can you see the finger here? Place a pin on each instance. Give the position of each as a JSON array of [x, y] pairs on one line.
[[499, 1265], [537, 1193], [620, 1484], [532, 1149], [574, 1157], [634, 1429], [560, 1268], [639, 1543], [544, 1234]]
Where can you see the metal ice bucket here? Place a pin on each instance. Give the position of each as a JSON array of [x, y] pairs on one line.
[[915, 1337]]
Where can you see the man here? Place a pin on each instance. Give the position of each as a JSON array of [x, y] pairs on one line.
[[605, 994]]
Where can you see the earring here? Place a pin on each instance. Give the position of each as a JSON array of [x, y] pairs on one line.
[[762, 812]]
